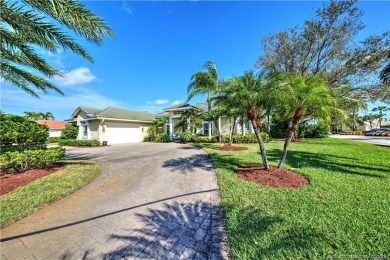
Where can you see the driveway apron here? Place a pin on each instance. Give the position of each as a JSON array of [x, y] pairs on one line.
[[151, 201]]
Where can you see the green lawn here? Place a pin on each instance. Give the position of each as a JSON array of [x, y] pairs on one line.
[[344, 212], [26, 199]]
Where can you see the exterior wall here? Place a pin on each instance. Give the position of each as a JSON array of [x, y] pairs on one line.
[[55, 132], [145, 128], [94, 130]]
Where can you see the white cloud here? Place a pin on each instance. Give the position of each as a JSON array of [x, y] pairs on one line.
[[16, 101], [176, 102], [158, 102], [126, 8], [77, 76]]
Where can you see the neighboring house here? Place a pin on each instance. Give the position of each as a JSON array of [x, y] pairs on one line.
[[173, 113], [114, 125], [55, 127]]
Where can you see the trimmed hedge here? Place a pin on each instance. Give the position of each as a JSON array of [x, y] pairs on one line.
[[13, 162], [70, 142], [53, 139]]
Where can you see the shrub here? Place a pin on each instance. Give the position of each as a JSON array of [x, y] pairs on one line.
[[312, 131], [12, 162], [70, 132], [150, 138], [162, 138], [68, 142], [205, 139], [20, 131], [53, 139], [187, 136]]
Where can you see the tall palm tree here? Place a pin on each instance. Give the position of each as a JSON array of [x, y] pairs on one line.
[[46, 115], [204, 82], [380, 114], [28, 25], [304, 96]]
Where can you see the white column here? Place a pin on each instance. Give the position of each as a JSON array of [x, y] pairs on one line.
[[170, 126], [219, 124], [188, 123]]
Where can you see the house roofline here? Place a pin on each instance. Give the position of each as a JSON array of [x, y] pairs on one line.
[[117, 119]]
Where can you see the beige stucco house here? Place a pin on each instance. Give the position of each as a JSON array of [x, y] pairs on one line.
[[118, 125], [111, 124]]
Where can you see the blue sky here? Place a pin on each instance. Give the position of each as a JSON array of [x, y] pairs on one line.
[[159, 45]]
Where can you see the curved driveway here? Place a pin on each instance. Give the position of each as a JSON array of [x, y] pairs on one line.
[[151, 201]]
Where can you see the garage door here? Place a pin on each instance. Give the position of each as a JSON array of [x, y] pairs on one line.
[[119, 133]]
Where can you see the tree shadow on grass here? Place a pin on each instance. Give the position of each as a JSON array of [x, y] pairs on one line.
[[255, 234], [334, 163]]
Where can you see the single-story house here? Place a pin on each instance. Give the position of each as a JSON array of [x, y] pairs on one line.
[[55, 126], [111, 124], [118, 125]]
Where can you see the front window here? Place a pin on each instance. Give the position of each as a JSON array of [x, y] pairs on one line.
[[167, 130], [85, 131], [205, 128]]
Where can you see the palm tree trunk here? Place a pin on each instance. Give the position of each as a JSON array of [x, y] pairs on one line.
[[293, 127], [261, 145], [209, 110], [232, 131]]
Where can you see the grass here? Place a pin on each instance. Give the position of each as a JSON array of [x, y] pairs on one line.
[[344, 212], [25, 199]]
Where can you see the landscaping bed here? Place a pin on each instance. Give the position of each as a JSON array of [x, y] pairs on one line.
[[46, 190], [343, 212], [9, 182]]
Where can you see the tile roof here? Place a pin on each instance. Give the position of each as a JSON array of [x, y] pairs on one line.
[[118, 113], [52, 124]]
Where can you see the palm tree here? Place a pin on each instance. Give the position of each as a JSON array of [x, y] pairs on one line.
[[204, 82], [250, 93], [47, 116], [304, 96], [156, 125], [27, 26], [380, 114], [32, 115], [230, 103], [188, 120]]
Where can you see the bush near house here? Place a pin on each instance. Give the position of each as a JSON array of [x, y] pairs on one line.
[[16, 161], [161, 138], [69, 142], [70, 132]]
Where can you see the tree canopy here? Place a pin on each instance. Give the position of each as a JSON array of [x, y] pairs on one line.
[[27, 26]]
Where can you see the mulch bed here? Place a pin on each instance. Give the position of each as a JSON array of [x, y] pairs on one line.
[[229, 148], [277, 178], [9, 182], [296, 140]]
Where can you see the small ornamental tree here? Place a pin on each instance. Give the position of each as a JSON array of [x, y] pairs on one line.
[[21, 131], [70, 132]]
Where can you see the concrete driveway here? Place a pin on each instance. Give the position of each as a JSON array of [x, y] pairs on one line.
[[151, 201], [381, 140]]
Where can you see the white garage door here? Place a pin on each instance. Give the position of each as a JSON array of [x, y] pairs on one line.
[[119, 133]]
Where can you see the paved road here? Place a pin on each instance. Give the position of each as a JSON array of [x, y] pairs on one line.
[[381, 140], [151, 201]]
